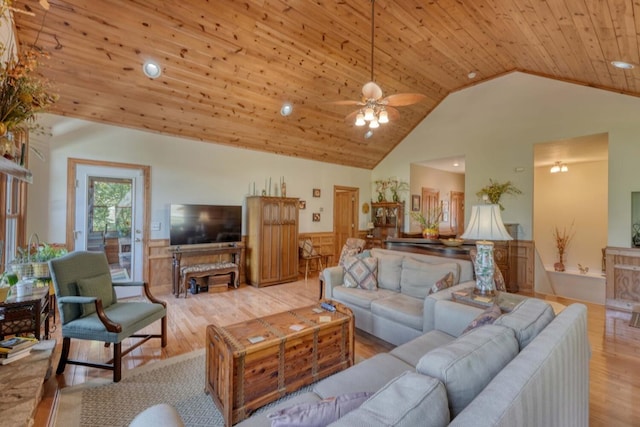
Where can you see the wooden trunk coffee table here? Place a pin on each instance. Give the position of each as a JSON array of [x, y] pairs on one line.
[[252, 363]]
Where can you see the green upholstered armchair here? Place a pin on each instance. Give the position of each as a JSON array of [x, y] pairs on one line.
[[89, 309]]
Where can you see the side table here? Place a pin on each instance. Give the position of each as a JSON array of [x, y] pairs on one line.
[[26, 314], [505, 300]]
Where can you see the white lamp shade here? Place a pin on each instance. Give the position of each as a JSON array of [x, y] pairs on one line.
[[369, 114], [360, 119], [383, 117], [486, 224]]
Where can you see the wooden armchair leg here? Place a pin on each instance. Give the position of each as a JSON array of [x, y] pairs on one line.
[[163, 338], [66, 344], [117, 362]]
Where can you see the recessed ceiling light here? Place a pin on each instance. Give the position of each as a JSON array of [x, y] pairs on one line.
[[286, 109], [472, 75], [622, 65], [151, 69], [456, 164]]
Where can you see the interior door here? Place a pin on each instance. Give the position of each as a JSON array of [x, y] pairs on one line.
[[109, 205], [457, 212], [430, 199], [345, 216]]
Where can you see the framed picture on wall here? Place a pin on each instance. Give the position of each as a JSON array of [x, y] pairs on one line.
[[415, 202], [316, 192], [316, 217], [302, 204]]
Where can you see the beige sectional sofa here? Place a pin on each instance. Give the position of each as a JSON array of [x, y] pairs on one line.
[[529, 368], [400, 309]]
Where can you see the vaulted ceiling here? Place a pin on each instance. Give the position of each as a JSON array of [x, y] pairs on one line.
[[228, 65]]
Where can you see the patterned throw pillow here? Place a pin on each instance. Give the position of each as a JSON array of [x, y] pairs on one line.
[[487, 317], [445, 282], [498, 278], [361, 273], [306, 246], [347, 252]]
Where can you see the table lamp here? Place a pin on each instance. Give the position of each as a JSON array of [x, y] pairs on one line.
[[370, 227], [485, 224]]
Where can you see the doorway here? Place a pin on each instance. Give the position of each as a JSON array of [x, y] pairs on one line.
[[107, 212], [345, 216]]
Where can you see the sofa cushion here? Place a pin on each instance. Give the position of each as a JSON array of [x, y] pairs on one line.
[[97, 286], [400, 308], [359, 297], [417, 277], [318, 413], [408, 400], [411, 352], [389, 270], [361, 273], [527, 319], [369, 375], [487, 317], [467, 364], [445, 282]]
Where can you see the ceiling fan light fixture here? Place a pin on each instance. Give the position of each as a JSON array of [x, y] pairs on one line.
[[383, 117], [360, 119], [373, 124], [369, 114]]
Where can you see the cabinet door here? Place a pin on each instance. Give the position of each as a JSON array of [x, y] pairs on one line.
[[270, 240], [289, 236]]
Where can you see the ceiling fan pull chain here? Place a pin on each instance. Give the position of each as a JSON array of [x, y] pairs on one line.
[[373, 2]]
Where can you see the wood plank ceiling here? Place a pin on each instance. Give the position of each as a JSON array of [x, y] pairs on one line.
[[229, 65]]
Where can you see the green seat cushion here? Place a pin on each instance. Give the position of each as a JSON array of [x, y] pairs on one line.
[[99, 286]]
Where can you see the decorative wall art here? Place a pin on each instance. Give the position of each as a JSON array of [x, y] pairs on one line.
[[302, 204], [415, 202], [316, 217], [316, 192]]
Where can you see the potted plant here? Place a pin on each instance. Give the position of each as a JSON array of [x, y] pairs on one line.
[[494, 191], [430, 222], [41, 257], [396, 187]]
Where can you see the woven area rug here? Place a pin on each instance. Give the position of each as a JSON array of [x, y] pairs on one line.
[[178, 381]]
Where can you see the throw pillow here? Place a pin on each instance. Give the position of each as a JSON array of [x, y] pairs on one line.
[[98, 286], [487, 317], [498, 278], [306, 246], [346, 253], [361, 273], [319, 413], [444, 283]]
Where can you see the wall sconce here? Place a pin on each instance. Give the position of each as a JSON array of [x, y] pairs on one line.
[[558, 167]]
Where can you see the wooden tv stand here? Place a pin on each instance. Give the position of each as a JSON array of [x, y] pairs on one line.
[[233, 249]]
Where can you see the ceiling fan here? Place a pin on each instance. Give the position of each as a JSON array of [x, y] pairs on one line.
[[374, 109]]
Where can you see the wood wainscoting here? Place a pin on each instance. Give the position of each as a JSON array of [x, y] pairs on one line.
[[160, 261]]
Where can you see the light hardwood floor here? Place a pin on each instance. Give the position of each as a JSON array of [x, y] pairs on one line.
[[614, 374]]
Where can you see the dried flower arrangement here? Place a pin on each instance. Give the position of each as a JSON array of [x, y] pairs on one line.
[[495, 190], [429, 221], [562, 241]]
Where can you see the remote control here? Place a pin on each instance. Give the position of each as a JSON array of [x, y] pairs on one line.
[[328, 307]]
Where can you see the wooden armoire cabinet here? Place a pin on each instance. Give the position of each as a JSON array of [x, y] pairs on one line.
[[388, 221], [272, 240]]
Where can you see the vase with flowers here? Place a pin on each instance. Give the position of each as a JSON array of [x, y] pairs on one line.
[[562, 241], [430, 222]]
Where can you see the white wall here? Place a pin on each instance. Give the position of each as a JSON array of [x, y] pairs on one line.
[[578, 196], [182, 171], [495, 125]]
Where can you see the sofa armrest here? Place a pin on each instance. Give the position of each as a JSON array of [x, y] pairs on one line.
[[333, 277], [428, 309]]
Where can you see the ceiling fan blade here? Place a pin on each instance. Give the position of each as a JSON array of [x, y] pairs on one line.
[[393, 113], [371, 91], [402, 99], [345, 102], [351, 117]]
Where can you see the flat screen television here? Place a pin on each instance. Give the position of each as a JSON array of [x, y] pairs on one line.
[[201, 224]]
